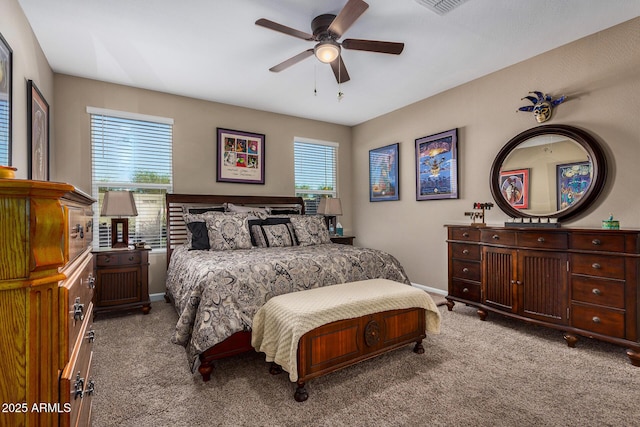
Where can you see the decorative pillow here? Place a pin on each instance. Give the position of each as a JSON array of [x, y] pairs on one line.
[[310, 230], [294, 210], [269, 221], [228, 231], [188, 219], [199, 236], [278, 235], [257, 236], [259, 212]]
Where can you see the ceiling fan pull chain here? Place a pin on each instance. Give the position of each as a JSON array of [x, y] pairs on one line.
[[340, 94]]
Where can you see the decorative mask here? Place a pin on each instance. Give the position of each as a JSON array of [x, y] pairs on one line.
[[542, 105]]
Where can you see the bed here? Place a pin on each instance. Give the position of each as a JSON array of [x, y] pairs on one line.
[[216, 293]]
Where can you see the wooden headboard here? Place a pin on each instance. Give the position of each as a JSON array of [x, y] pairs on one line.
[[176, 228]]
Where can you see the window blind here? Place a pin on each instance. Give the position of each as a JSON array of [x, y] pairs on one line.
[[315, 171], [132, 153], [4, 132]]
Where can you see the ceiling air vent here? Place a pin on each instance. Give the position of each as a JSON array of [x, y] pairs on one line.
[[441, 7]]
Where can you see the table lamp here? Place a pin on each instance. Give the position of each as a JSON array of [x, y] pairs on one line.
[[119, 204]]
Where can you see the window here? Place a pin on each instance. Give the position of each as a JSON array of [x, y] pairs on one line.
[[132, 152], [315, 171]]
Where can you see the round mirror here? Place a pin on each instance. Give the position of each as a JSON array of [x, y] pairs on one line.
[[548, 171]]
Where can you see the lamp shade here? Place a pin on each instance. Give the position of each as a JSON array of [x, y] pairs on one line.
[[118, 203], [330, 206], [327, 51]]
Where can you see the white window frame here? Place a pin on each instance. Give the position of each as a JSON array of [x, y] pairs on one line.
[[317, 192]]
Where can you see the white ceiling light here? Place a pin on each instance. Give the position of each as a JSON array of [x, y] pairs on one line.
[[327, 51], [441, 7]]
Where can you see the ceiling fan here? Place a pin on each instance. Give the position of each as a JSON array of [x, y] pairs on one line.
[[327, 29]]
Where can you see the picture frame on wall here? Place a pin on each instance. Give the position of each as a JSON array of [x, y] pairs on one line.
[[514, 186], [6, 89], [572, 181], [240, 156], [437, 166], [38, 133], [384, 164]]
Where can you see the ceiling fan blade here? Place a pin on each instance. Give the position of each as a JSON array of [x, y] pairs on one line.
[[373, 46], [284, 29], [347, 16], [339, 70], [292, 61]]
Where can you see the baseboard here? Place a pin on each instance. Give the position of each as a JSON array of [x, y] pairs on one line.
[[430, 289], [156, 297]]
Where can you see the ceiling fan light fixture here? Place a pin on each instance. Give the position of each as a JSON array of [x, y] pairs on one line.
[[327, 51]]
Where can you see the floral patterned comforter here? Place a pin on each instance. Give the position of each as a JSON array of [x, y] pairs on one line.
[[217, 293]]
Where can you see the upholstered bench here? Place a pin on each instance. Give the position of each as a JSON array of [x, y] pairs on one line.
[[314, 332]]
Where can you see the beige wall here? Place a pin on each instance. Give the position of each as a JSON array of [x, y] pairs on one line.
[[194, 143], [29, 63], [599, 74]]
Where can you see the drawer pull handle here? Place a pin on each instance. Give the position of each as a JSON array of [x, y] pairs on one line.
[[541, 239], [596, 242], [78, 310], [465, 270], [91, 387], [465, 234], [495, 237], [596, 291], [131, 258], [91, 282], [596, 319], [465, 251], [596, 266], [107, 259], [91, 335], [465, 291], [78, 386]]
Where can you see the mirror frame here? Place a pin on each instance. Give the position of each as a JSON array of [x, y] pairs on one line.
[[584, 139]]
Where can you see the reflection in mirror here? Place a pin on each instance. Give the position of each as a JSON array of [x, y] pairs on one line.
[[558, 175], [548, 171]]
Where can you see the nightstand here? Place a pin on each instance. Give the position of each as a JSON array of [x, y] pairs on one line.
[[343, 240], [122, 280]]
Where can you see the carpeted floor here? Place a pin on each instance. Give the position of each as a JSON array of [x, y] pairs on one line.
[[494, 373]]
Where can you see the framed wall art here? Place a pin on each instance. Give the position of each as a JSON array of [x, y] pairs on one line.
[[437, 166], [6, 85], [514, 186], [38, 133], [240, 156], [572, 181], [383, 173]]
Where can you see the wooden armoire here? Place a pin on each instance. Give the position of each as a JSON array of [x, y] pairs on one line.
[[46, 288]]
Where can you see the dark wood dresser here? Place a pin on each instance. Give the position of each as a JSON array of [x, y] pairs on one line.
[[582, 281], [46, 288]]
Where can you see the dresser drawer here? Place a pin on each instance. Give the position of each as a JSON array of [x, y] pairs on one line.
[[465, 290], [599, 320], [459, 233], [76, 383], [79, 229], [597, 242], [498, 237], [119, 259], [465, 251], [598, 265], [468, 270], [77, 292], [598, 291], [542, 240]]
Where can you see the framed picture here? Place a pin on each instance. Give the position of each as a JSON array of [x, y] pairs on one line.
[[384, 164], [572, 181], [514, 186], [38, 133], [437, 166], [240, 156], [6, 85]]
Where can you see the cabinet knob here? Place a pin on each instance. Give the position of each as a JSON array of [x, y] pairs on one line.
[[513, 282], [91, 335], [518, 282], [78, 385], [131, 258], [465, 251], [541, 239], [596, 266], [596, 319], [91, 387], [596, 242], [495, 237], [596, 291], [78, 310], [465, 234], [465, 291], [465, 270], [91, 281]]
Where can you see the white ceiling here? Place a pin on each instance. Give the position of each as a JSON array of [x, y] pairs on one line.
[[212, 50]]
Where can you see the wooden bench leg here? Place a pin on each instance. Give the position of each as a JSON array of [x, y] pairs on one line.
[[205, 369], [301, 393], [419, 348]]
